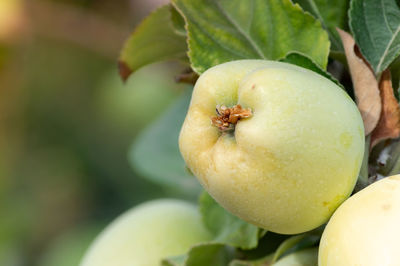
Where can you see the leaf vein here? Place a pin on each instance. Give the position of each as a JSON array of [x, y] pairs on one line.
[[384, 16], [387, 48], [217, 42], [241, 31]]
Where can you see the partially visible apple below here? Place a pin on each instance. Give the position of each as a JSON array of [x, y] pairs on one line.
[[275, 144], [365, 229], [148, 233]]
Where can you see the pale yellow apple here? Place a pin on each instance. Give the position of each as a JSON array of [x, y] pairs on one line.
[[365, 229], [148, 233], [288, 166]]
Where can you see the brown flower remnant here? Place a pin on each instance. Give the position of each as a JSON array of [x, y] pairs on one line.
[[227, 118]]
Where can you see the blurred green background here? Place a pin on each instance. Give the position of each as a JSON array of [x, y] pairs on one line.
[[67, 123]]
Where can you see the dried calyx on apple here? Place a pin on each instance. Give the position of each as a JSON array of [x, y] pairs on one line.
[[295, 151], [227, 118]]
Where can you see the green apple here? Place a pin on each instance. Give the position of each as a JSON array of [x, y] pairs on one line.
[[148, 233], [365, 229], [291, 159]]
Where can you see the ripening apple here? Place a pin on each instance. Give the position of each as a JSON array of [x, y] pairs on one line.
[[275, 144], [365, 229], [148, 233]]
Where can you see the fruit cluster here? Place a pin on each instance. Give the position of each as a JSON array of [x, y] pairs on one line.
[[277, 143], [284, 162]]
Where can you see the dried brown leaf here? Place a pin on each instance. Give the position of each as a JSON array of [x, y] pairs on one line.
[[364, 82], [389, 122]]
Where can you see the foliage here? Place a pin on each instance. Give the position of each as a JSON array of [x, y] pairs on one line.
[[226, 30], [227, 228], [156, 40], [330, 15], [376, 29], [158, 146]]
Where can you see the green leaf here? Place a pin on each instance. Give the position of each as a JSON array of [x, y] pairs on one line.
[[210, 254], [259, 262], [227, 228], [155, 153], [295, 243], [178, 22], [376, 28], [307, 257], [153, 40], [175, 261], [331, 16], [267, 245], [224, 30], [203, 254], [286, 245], [304, 61]]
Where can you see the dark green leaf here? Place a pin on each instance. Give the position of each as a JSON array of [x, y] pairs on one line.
[[286, 245], [304, 61], [224, 30], [331, 16], [202, 255], [155, 153], [308, 257], [376, 28], [227, 228], [175, 261], [292, 244], [259, 262], [178, 22], [210, 254], [395, 70], [153, 40], [268, 244]]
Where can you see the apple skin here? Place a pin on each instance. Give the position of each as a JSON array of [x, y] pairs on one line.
[[147, 234], [365, 229], [290, 165]]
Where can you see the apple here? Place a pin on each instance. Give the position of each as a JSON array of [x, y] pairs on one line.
[[275, 144], [365, 229], [147, 234]]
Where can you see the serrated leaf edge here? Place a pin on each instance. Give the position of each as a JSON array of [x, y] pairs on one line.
[[294, 5]]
